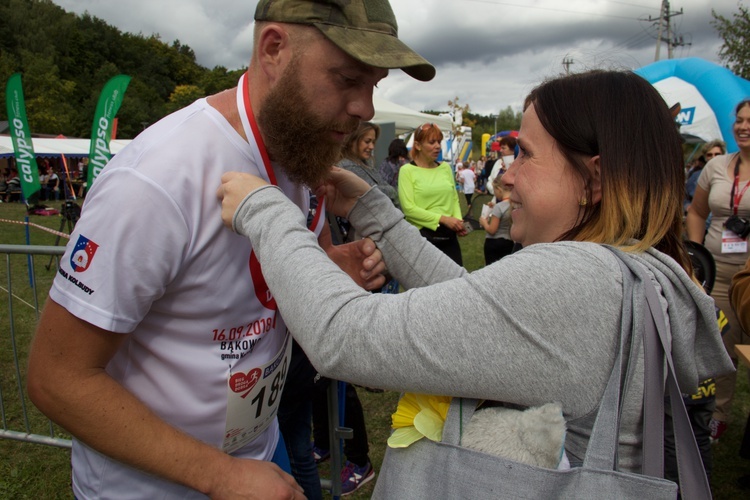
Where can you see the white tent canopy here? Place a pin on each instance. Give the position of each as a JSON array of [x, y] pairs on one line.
[[406, 119], [55, 147]]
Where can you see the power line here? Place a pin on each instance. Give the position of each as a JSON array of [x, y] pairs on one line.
[[634, 5], [552, 9], [635, 39]]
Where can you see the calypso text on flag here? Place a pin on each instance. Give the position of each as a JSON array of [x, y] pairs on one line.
[[101, 130], [28, 172]]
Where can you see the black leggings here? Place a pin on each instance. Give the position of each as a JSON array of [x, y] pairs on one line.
[[495, 249], [446, 240]]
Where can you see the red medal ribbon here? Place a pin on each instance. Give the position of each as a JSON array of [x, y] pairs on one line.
[[243, 104], [245, 89]]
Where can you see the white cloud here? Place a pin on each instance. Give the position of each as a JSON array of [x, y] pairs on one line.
[[489, 53]]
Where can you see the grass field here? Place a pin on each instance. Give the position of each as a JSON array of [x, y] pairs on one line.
[[32, 471]]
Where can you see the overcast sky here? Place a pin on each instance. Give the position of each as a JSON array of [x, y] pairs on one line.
[[488, 53]]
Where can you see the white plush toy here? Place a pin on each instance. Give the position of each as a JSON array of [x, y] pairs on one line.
[[535, 436]]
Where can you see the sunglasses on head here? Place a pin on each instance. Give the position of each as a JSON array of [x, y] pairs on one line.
[[423, 128]]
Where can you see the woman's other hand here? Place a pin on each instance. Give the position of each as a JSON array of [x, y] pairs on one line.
[[362, 261], [452, 223], [235, 186], [341, 189]]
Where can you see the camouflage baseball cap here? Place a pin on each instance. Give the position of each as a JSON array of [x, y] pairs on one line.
[[364, 29]]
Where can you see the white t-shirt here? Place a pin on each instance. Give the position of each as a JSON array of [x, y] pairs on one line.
[[468, 177], [501, 163], [154, 260]]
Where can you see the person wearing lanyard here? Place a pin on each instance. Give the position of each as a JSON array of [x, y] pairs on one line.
[[161, 349], [722, 191]]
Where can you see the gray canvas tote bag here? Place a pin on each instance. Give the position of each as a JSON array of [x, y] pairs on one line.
[[445, 470]]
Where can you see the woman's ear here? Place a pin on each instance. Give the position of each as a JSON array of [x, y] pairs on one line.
[[595, 184]]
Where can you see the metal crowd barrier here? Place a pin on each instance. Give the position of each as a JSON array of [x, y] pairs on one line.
[[16, 411]]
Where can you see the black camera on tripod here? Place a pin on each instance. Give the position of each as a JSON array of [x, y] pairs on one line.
[[738, 225], [70, 211]]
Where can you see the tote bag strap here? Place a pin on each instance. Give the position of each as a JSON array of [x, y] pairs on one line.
[[653, 362], [601, 451], [657, 349], [459, 414], [693, 480]]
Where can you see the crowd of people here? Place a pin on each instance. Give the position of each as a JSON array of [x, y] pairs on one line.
[[170, 356], [55, 183]]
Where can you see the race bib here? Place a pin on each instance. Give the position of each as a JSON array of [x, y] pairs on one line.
[[253, 399]]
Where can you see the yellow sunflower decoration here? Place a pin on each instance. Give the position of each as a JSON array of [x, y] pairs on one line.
[[418, 416]]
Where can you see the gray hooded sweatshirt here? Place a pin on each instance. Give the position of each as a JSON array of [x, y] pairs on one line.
[[541, 325]]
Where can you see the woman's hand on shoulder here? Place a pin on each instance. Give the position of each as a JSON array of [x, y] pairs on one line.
[[235, 186]]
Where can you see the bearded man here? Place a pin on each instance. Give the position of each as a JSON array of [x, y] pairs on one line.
[[162, 351]]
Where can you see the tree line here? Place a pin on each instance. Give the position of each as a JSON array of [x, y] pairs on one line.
[[65, 60]]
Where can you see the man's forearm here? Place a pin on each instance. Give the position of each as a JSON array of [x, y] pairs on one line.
[[105, 416], [68, 382]]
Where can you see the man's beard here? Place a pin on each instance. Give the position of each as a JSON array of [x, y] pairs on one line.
[[297, 139]]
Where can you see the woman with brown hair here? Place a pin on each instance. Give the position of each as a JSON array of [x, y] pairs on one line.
[[721, 192]]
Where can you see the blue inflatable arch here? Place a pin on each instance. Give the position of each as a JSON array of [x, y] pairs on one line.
[[720, 88]]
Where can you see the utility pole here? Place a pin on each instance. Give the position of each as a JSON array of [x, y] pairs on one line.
[[567, 62], [662, 9], [664, 25]]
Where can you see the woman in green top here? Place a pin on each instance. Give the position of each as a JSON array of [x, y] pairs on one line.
[[428, 196]]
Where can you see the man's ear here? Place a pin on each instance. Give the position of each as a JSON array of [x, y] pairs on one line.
[[595, 184], [273, 51]]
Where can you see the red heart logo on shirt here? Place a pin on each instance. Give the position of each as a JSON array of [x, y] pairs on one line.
[[241, 382]]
